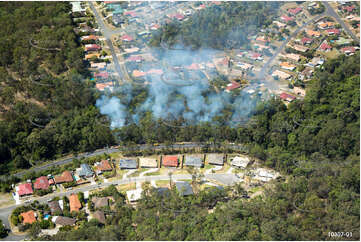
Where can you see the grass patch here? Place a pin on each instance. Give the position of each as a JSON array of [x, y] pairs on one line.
[[140, 170], [162, 183], [331, 54], [156, 173], [126, 187]]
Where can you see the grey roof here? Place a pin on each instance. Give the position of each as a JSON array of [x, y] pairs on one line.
[[85, 170], [99, 215], [163, 191], [65, 220], [216, 159], [128, 163], [191, 160], [184, 188], [54, 206]]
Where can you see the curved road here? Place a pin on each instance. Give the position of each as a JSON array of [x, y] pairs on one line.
[[122, 148], [6, 211]]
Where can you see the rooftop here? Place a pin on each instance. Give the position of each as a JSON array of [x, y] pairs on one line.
[[41, 183], [215, 159], [28, 217], [74, 203], [170, 160], [25, 189], [184, 188], [128, 163], [192, 160]]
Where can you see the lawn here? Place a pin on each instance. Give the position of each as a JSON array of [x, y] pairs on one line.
[[331, 54], [140, 170], [6, 199], [156, 173], [162, 183], [126, 187]]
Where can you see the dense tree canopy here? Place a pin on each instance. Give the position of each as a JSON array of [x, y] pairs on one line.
[[46, 102]]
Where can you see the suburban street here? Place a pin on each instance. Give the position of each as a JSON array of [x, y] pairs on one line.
[[225, 178], [331, 12], [264, 70], [122, 148], [108, 33]]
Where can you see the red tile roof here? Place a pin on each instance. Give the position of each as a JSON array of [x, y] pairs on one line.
[[65, 177], [126, 38], [333, 31], [349, 8], [349, 49], [286, 18], [29, 217], [101, 74], [135, 58], [170, 160], [92, 47], [287, 97], [193, 66], [41, 183], [104, 166], [74, 203], [295, 10], [130, 13], [306, 40], [25, 189], [233, 86], [325, 46], [155, 71]]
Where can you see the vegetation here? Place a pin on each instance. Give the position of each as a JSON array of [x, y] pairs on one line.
[[46, 101], [3, 230], [314, 141]]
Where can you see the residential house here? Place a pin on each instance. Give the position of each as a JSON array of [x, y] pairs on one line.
[[193, 160], [41, 183], [325, 46], [100, 66], [342, 41], [89, 37], [126, 38], [265, 175], [148, 162], [184, 188], [325, 25], [170, 160], [117, 19], [281, 75], [279, 24], [333, 31], [316, 61], [74, 203], [313, 33], [135, 58], [240, 161], [29, 217], [348, 9], [85, 171], [76, 7], [299, 48], [306, 41], [103, 86], [255, 56], [154, 26], [294, 57], [137, 73], [177, 16], [233, 85], [54, 207], [287, 66], [305, 74], [25, 189], [65, 177], [299, 91], [128, 164], [63, 221], [100, 202], [92, 47], [245, 66], [134, 195], [287, 97], [215, 159], [101, 75], [104, 165], [349, 50], [286, 19], [263, 39], [99, 215], [91, 56], [294, 11]]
